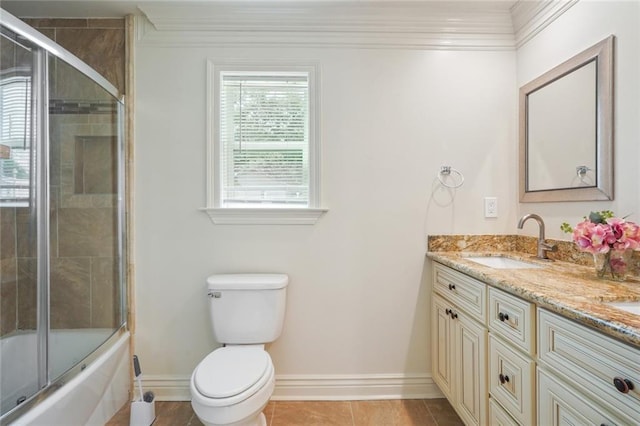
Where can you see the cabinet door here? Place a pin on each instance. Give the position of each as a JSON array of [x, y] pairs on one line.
[[442, 345], [559, 405], [511, 380], [471, 369]]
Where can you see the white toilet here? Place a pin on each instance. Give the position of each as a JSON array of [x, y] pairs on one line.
[[232, 385]]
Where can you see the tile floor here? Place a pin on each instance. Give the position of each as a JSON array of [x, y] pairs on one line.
[[406, 412]]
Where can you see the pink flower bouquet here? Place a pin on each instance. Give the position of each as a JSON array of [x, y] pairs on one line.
[[610, 239]]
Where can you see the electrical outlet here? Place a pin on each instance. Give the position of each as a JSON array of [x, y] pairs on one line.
[[490, 207]]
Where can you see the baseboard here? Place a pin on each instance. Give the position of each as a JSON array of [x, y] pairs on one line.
[[302, 387], [355, 387], [166, 387]]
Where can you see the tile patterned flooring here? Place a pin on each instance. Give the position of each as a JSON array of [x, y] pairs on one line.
[[405, 412]]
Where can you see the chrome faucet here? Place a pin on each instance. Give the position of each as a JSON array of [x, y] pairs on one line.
[[543, 247]]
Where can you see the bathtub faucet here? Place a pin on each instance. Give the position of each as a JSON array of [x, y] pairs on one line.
[[543, 247]]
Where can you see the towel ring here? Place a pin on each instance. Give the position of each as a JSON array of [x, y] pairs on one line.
[[446, 171]]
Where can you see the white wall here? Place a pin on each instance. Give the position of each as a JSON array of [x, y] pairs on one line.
[[582, 26], [357, 302]]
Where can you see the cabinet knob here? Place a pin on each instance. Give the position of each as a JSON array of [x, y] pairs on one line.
[[503, 378], [503, 317], [452, 286], [623, 385], [450, 312]]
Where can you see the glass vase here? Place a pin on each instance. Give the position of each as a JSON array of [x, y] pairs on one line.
[[613, 265]]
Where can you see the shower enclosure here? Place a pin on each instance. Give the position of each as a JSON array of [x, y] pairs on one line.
[[62, 297]]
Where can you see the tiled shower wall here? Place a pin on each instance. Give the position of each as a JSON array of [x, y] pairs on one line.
[[8, 271], [83, 215], [98, 42]]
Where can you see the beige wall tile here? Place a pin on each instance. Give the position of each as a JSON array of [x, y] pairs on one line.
[[87, 232], [27, 232], [95, 165], [105, 23], [27, 294], [8, 304], [70, 293], [9, 271], [7, 233], [102, 49], [105, 293], [56, 23]]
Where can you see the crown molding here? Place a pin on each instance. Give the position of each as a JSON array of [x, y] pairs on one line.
[[469, 25], [530, 17]]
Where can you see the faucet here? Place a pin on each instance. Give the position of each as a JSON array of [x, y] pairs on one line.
[[543, 247]]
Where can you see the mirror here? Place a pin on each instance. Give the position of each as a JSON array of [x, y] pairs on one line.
[[566, 130]]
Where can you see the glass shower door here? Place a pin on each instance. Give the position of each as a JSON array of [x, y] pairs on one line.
[[19, 340], [61, 217], [85, 256]]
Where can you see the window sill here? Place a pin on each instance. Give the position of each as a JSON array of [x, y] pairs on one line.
[[257, 216]]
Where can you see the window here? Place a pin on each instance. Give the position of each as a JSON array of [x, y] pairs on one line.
[[263, 162], [15, 137]]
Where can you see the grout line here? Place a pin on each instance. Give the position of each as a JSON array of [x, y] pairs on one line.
[[273, 413], [435, 420], [353, 419]]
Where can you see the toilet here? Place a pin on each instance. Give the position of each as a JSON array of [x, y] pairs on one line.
[[232, 385]]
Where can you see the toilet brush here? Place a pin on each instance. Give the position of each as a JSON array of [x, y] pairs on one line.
[[143, 411], [137, 373]]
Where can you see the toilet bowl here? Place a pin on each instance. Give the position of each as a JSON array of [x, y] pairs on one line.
[[232, 385]]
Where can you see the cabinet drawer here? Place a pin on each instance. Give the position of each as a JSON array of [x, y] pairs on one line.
[[559, 404], [467, 293], [513, 319], [511, 380], [499, 417], [590, 360]]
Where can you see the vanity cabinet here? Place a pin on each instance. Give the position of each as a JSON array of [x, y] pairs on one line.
[[459, 339], [501, 360], [582, 372]]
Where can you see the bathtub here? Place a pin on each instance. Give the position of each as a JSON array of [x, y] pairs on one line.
[[89, 394]]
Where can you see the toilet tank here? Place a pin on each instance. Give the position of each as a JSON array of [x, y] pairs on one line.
[[247, 308]]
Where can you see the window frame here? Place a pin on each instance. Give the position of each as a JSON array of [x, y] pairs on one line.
[[303, 215]]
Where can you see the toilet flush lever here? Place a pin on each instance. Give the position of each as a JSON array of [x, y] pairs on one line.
[[215, 294]]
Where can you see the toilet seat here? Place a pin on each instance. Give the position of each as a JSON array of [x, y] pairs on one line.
[[232, 374]]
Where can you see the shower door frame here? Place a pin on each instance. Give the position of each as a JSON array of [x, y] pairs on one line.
[[40, 94]]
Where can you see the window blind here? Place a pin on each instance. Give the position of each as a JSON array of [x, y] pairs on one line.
[[264, 138], [15, 132]]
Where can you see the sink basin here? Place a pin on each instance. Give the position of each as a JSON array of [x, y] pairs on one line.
[[631, 307], [502, 262]]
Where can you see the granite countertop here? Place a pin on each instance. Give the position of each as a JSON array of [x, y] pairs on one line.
[[568, 289]]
